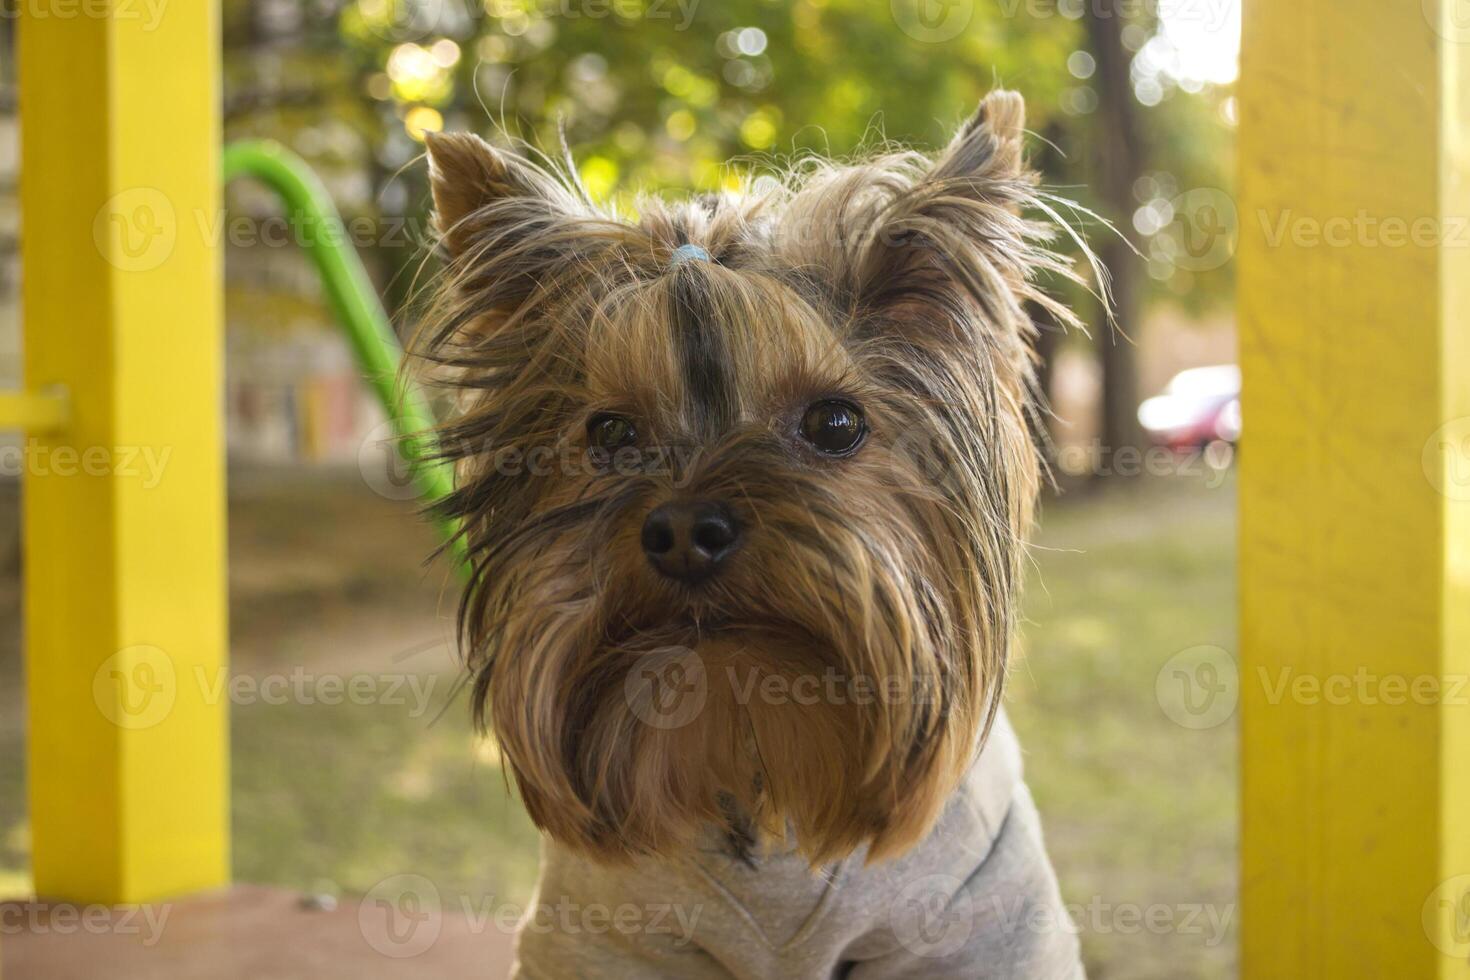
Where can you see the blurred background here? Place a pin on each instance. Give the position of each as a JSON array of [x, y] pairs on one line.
[[1131, 106]]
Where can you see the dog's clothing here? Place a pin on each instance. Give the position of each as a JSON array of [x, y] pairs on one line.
[[976, 899]]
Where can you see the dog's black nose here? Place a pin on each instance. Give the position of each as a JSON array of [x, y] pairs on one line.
[[688, 540]]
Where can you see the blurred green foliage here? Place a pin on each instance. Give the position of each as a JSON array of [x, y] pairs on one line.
[[662, 94]]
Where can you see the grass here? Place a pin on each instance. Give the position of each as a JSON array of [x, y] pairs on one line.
[[335, 799], [1140, 813], [361, 791]]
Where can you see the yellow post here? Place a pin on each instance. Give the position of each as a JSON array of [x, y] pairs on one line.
[[124, 506], [39, 412], [1354, 301]]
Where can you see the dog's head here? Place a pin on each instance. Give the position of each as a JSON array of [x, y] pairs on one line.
[[744, 484]]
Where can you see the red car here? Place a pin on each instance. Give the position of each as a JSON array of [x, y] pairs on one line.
[[1198, 407]]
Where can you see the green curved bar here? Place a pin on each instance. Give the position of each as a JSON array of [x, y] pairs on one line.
[[356, 305]]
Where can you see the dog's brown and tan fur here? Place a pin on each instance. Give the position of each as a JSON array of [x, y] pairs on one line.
[[899, 284]]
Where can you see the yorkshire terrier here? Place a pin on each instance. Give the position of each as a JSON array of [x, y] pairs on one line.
[[744, 484]]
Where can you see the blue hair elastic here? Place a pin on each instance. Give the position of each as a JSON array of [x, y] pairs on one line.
[[688, 253]]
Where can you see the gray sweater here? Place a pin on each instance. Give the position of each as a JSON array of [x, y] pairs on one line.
[[976, 899]]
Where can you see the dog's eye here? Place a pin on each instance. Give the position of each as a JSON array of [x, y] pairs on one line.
[[834, 427], [610, 432]]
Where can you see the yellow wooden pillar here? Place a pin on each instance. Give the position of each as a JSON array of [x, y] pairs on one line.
[[124, 504], [1354, 301]]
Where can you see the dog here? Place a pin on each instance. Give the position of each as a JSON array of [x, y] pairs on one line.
[[744, 483]]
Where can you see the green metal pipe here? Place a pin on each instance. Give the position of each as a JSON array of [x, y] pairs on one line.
[[355, 303]]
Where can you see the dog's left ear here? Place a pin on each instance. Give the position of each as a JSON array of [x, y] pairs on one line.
[[989, 145], [954, 238]]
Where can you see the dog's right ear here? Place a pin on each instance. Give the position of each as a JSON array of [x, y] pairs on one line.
[[480, 192]]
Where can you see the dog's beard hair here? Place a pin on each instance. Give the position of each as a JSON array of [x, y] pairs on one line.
[[859, 597], [892, 572]]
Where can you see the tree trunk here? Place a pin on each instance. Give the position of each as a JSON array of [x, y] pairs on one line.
[[1049, 333], [1119, 155]]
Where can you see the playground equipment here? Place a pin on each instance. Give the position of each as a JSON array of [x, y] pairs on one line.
[[1354, 508], [1354, 542], [355, 303], [128, 759]]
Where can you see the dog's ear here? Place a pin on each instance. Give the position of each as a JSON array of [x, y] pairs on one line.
[[989, 145], [508, 226], [954, 238], [478, 190]]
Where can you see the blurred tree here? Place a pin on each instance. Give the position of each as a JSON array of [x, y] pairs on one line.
[[666, 94], [1120, 155]]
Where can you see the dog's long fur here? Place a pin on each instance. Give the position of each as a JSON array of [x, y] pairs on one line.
[[900, 283]]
